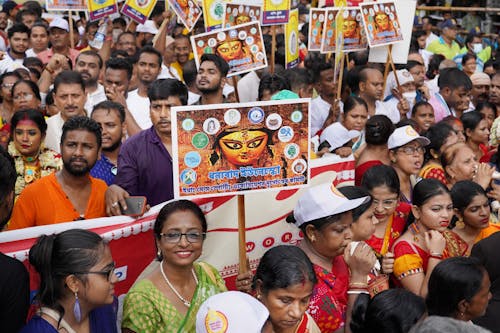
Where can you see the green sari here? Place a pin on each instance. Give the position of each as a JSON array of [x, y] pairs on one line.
[[147, 310]]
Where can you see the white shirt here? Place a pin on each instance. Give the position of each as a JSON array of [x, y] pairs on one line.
[[54, 132], [193, 97], [168, 73], [139, 108], [248, 87], [432, 37], [319, 109], [95, 98], [7, 64]]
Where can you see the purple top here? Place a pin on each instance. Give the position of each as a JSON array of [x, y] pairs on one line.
[[145, 168], [103, 169], [102, 320]]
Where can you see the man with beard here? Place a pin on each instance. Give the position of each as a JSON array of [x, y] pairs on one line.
[[89, 65], [145, 162], [111, 117], [126, 42], [70, 194], [148, 68], [59, 39], [18, 35], [116, 84], [480, 89], [14, 280], [69, 98], [211, 79], [495, 90]]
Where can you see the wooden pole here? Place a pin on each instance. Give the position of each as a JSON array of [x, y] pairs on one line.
[[341, 76], [71, 32], [389, 55], [273, 47], [242, 243]]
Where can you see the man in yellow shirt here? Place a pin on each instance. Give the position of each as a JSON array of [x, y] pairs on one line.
[[446, 44]]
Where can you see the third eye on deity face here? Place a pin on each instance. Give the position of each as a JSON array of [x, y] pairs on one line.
[[350, 28], [243, 148], [230, 50]]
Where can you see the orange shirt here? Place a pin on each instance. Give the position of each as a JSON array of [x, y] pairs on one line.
[[44, 202]]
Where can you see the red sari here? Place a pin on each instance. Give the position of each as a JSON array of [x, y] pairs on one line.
[[328, 302]]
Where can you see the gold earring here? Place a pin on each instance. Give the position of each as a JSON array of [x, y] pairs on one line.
[[460, 224]]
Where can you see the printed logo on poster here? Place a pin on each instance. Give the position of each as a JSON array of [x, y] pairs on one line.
[[240, 148]]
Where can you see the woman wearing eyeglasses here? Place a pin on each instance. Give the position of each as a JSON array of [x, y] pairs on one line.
[[168, 299], [406, 151], [76, 284], [25, 95]]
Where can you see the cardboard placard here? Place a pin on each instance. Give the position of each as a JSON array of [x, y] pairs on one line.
[[138, 10], [235, 148], [66, 5], [187, 11], [406, 12], [292, 40], [240, 13], [213, 14], [275, 12], [316, 24], [99, 9], [381, 23], [241, 46], [353, 34]]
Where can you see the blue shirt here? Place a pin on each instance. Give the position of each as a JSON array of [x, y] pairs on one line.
[[103, 169], [145, 168]]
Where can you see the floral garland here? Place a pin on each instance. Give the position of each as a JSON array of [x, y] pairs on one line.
[[49, 161]]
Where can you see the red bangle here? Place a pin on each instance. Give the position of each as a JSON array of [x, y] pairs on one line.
[[433, 256]]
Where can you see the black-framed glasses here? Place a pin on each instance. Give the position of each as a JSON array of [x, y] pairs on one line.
[[175, 237], [108, 273]]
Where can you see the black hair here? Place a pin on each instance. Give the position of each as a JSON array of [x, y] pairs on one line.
[[351, 102], [360, 58], [7, 74], [467, 57], [125, 33], [57, 256], [35, 72], [93, 54], [272, 82], [390, 311], [381, 175], [283, 266], [68, 77], [454, 78], [470, 120], [218, 61], [28, 114], [418, 105], [486, 105], [452, 281], [437, 135], [173, 207], [8, 176], [120, 54], [158, 9], [120, 64], [427, 189], [356, 192], [189, 72], [352, 78], [110, 105], [32, 61], [298, 78], [18, 27], [412, 63], [41, 24], [121, 21], [150, 50], [33, 86], [82, 123], [433, 66], [25, 12], [463, 192], [320, 66], [91, 24], [34, 6], [469, 39], [378, 129], [49, 99], [164, 88]]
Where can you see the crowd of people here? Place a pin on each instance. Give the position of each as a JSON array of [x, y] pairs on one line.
[[411, 247]]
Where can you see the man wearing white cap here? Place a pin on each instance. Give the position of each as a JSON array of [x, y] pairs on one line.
[[400, 102], [145, 33], [59, 39], [481, 83]]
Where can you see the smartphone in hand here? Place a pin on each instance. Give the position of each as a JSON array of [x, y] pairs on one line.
[[136, 206]]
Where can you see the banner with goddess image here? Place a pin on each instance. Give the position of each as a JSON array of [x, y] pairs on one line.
[[235, 148], [239, 13], [138, 10], [187, 11], [241, 46], [353, 33], [316, 23], [381, 23]]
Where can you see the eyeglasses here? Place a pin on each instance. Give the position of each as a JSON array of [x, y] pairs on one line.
[[108, 273], [386, 204], [7, 85], [24, 96], [410, 150], [175, 237]]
